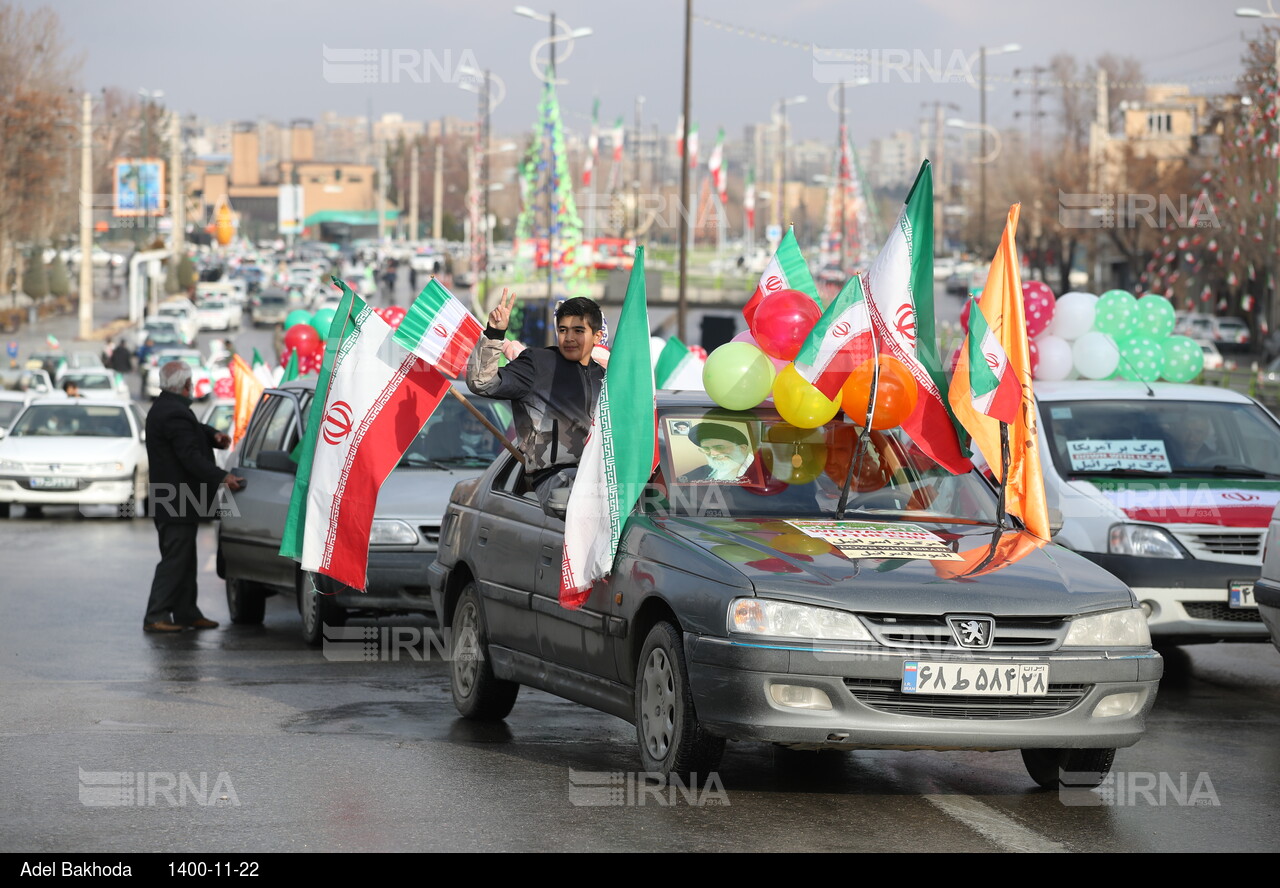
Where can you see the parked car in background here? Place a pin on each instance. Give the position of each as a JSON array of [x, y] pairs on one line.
[[201, 376], [184, 314], [1213, 359], [28, 381], [748, 610], [406, 525], [63, 452], [11, 404], [1231, 332], [1170, 488], [160, 329], [270, 307], [218, 313], [100, 383]]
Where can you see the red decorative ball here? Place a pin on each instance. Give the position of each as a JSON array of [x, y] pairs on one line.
[[303, 338], [782, 321]]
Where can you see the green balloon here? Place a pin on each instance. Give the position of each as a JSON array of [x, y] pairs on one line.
[[735, 553], [1155, 316], [1141, 358], [1183, 359], [1116, 314], [322, 321], [738, 376], [297, 316]]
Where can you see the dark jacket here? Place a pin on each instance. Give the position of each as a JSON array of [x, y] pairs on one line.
[[184, 476], [553, 399]]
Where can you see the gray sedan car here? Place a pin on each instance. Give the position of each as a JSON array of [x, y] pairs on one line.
[[741, 606], [406, 523]]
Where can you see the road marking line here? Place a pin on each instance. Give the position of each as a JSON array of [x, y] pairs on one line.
[[992, 825]]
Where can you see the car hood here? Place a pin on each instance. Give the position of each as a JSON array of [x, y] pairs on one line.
[[997, 573], [1228, 502], [45, 450], [419, 494]]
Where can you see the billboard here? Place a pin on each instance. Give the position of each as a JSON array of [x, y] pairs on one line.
[[290, 210], [138, 186]]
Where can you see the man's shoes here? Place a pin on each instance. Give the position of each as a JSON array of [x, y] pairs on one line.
[[162, 626], [203, 623]]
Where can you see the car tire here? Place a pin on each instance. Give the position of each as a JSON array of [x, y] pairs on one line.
[[4, 510], [1084, 768], [477, 693], [246, 602], [672, 740], [317, 609]]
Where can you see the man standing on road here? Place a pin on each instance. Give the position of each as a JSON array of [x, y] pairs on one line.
[[183, 489], [553, 389]]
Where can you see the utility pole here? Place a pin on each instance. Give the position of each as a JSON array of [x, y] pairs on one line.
[[86, 216], [177, 193], [437, 189], [413, 190], [687, 104]]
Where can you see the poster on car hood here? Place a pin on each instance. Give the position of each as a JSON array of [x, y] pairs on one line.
[[867, 539]]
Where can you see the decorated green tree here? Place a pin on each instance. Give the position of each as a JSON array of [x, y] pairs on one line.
[[35, 282], [59, 280]]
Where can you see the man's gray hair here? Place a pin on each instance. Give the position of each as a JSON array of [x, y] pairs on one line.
[[175, 376]]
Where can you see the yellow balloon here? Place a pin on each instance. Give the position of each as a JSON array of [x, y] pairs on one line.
[[799, 403]]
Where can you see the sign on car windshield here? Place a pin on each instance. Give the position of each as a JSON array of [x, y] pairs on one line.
[[1110, 455]]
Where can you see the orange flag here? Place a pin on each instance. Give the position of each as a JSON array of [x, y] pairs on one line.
[[248, 389], [1002, 305], [1010, 547]]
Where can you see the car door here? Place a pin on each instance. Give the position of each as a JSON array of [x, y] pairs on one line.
[[251, 532], [508, 529], [577, 637]]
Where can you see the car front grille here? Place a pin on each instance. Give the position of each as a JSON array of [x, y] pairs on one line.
[[886, 695], [1218, 610], [1239, 544], [933, 633]]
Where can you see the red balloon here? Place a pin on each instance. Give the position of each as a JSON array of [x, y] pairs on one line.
[[303, 338], [1038, 306], [782, 321]]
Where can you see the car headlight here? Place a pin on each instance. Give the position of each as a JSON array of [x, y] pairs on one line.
[[391, 532], [1144, 541], [106, 468], [1123, 628], [762, 616], [8, 465]]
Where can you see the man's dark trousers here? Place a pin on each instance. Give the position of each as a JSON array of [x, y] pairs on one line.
[[173, 589]]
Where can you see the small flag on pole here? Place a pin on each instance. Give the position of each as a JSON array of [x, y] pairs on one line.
[[439, 329], [992, 384], [839, 343]]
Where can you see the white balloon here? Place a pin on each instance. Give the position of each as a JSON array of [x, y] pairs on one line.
[[1073, 315], [1055, 358], [1095, 355]]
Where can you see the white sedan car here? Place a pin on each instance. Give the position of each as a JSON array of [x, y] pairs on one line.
[[99, 383], [184, 313], [218, 313], [201, 375], [75, 452]]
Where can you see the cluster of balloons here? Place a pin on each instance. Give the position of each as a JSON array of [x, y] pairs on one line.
[[1116, 335], [306, 332], [758, 364]]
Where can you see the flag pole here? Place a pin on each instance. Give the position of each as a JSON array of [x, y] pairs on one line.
[[1002, 516], [864, 439], [488, 425]]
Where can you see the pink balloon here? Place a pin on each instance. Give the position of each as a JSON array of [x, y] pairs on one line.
[[1038, 306], [745, 336], [782, 321]]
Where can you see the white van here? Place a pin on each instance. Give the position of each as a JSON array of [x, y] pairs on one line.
[[1170, 487]]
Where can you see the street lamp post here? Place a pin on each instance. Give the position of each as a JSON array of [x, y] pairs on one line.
[[686, 104], [780, 162], [983, 52], [550, 78]]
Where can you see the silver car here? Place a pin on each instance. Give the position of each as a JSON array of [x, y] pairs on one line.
[[406, 525]]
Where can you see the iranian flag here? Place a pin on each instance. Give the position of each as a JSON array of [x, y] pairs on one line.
[[593, 145], [839, 343], [787, 270], [749, 200], [618, 457], [372, 398], [439, 329], [619, 140], [678, 368], [715, 164], [993, 388], [899, 288]]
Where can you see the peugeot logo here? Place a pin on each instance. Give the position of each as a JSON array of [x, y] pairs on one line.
[[972, 632], [337, 422]]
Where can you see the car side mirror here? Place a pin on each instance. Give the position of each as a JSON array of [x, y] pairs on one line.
[[558, 502], [1055, 522], [277, 461]]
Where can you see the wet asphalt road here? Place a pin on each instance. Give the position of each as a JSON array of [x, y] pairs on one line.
[[313, 754]]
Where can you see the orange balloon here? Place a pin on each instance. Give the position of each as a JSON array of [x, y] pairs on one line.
[[895, 396]]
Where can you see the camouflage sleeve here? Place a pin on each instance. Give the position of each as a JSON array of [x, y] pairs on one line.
[[484, 377]]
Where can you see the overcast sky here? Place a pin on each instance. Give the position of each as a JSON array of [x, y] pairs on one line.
[[241, 59]]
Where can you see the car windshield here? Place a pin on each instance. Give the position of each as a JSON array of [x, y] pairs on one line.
[[89, 380], [73, 420], [453, 437], [8, 410], [718, 463], [213, 304], [1157, 437]]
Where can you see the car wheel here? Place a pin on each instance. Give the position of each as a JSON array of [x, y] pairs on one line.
[[477, 693], [246, 602], [1051, 768], [672, 740], [317, 609]]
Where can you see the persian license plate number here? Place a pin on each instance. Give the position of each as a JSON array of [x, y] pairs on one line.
[[973, 679], [53, 483]]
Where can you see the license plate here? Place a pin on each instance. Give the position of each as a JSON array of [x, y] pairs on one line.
[[54, 483], [1240, 595], [971, 679]]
